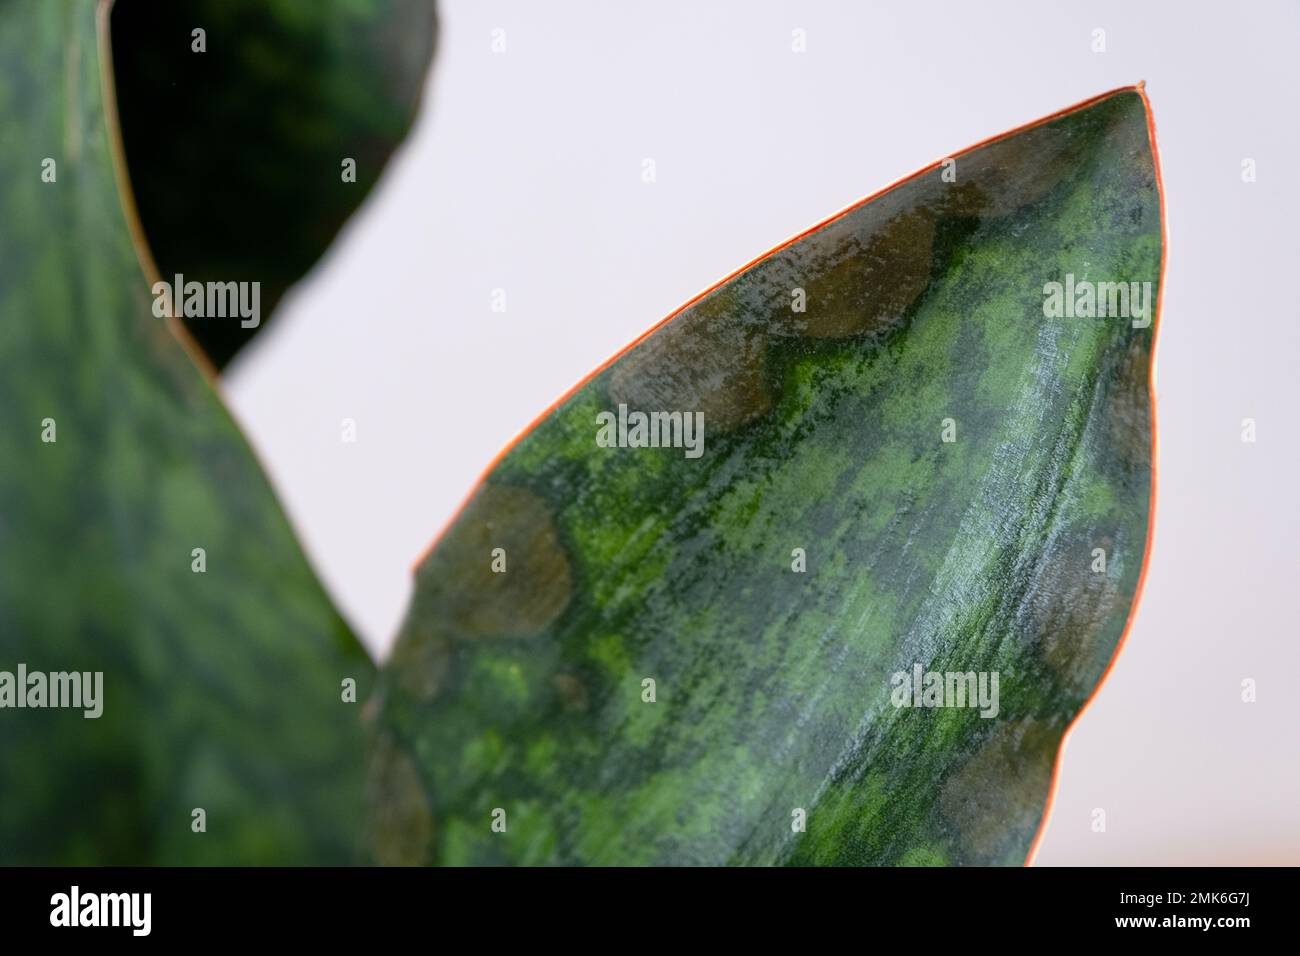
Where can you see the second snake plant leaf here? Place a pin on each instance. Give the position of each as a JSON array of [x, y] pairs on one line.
[[926, 448], [238, 152], [139, 539]]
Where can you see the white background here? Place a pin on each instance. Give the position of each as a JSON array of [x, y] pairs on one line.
[[524, 173]]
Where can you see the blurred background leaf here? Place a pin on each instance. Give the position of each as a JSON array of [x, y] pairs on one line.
[[235, 153], [222, 690]]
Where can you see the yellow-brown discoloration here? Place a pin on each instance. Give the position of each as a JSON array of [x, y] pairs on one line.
[[401, 822], [421, 658], [519, 602], [678, 368], [1001, 177], [1129, 411], [867, 283], [1004, 779], [1070, 603]]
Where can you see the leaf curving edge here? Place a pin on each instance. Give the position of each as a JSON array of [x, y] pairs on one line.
[[945, 456]]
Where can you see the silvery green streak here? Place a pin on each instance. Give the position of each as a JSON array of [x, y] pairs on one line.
[[523, 691], [221, 690]]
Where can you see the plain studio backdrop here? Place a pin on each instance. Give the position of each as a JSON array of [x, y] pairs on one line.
[[524, 174]]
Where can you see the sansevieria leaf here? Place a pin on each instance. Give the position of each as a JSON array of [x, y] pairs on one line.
[[914, 441], [141, 548], [254, 128]]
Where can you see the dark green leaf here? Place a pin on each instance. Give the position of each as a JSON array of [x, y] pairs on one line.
[[236, 153], [221, 690]]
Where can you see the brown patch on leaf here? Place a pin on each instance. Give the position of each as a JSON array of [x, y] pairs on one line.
[[400, 823], [704, 360], [458, 589], [1128, 408], [865, 284], [1071, 606], [420, 658], [1001, 177], [1001, 790]]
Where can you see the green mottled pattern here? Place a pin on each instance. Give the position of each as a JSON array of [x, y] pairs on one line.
[[222, 690], [523, 690], [235, 153]]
